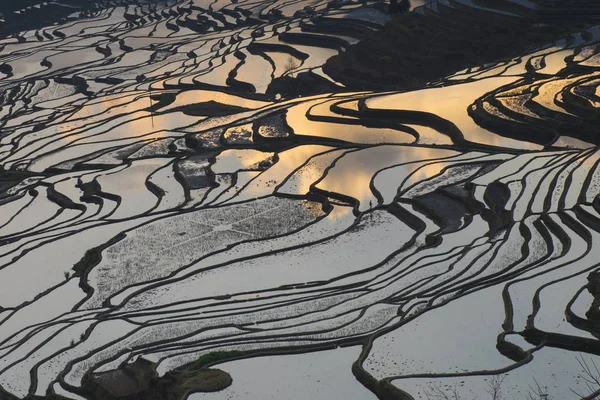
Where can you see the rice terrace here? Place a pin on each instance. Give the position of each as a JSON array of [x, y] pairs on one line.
[[300, 199]]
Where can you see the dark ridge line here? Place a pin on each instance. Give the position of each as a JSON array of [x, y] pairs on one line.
[[575, 320], [559, 166], [16, 236], [524, 256], [435, 295], [548, 201], [552, 163], [575, 226], [155, 189], [31, 192], [317, 294], [230, 201], [366, 122], [449, 252], [32, 352], [179, 177], [569, 180], [407, 292], [508, 271], [458, 290], [78, 131], [384, 389], [194, 313], [444, 160], [40, 326], [540, 224], [561, 341], [249, 337], [37, 328]]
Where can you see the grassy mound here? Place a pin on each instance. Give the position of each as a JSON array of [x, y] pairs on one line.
[[203, 380], [213, 357]]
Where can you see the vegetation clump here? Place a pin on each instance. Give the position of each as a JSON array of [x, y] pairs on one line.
[[139, 381], [203, 380], [213, 357]]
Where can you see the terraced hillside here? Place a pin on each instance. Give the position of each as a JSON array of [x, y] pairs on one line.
[[194, 181], [408, 52]]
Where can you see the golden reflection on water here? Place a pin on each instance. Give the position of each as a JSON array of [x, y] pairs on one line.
[[111, 105], [452, 103], [352, 174], [288, 162], [548, 92], [133, 177], [230, 161], [106, 104], [597, 92], [349, 178], [301, 125], [353, 182], [190, 97], [151, 125], [419, 172], [298, 155]]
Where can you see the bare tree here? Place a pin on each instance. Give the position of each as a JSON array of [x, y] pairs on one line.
[[590, 374], [494, 387], [291, 64], [435, 392], [537, 393]]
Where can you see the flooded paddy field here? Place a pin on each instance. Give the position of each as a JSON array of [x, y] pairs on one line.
[[231, 200]]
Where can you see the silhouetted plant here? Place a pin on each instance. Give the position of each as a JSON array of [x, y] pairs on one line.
[[537, 393], [494, 387], [393, 7], [404, 6], [214, 356], [291, 64], [590, 374], [435, 392]]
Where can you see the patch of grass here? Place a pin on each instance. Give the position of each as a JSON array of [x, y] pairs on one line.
[[213, 357], [203, 380]]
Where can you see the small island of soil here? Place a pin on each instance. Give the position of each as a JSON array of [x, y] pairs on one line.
[[138, 381]]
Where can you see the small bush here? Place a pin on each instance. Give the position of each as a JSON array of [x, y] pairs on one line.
[[213, 357], [204, 380], [291, 64]]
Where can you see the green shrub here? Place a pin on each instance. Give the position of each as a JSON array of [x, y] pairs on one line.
[[213, 357], [203, 380]]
